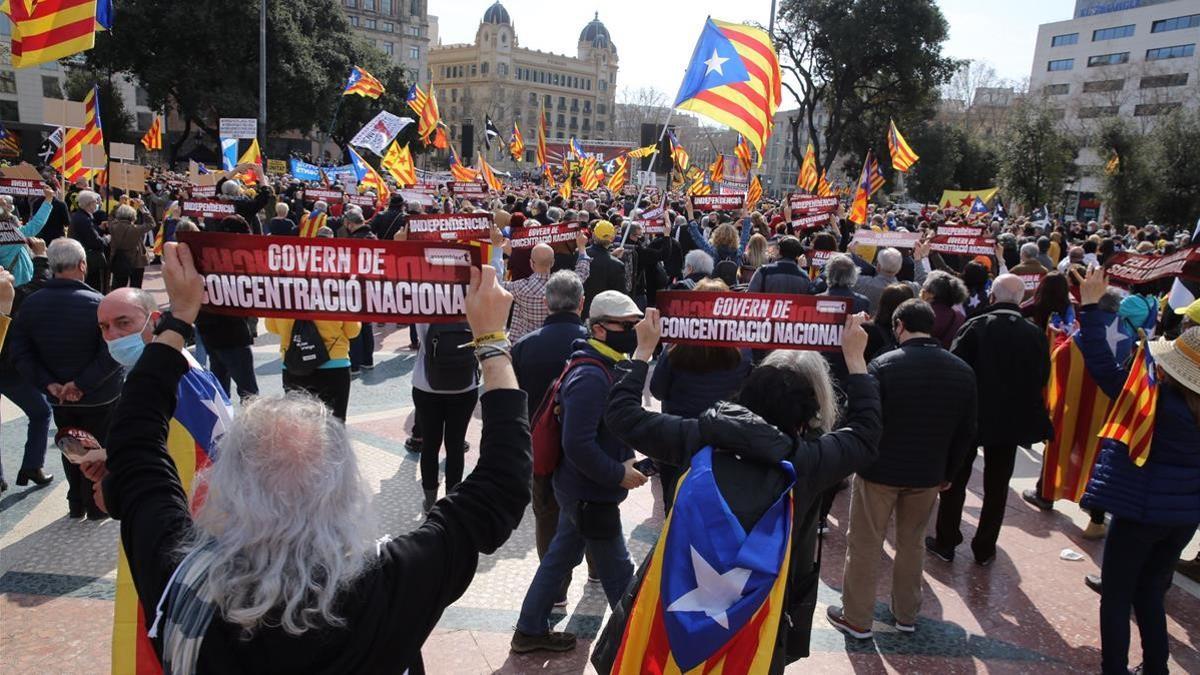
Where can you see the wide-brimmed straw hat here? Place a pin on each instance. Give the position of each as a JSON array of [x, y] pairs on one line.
[[1180, 358]]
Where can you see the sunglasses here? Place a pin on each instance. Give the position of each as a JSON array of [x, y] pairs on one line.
[[625, 325]]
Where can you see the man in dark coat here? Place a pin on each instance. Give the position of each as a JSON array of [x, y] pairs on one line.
[[1011, 360], [608, 273]]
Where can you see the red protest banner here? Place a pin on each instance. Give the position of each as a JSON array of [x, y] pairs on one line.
[[887, 239], [818, 259], [718, 202], [1031, 281], [207, 208], [814, 222], [362, 200], [332, 279], [322, 194], [204, 191], [9, 234], [1130, 268], [757, 320], [467, 189], [654, 227], [807, 205], [964, 245], [450, 227], [19, 187], [528, 237]]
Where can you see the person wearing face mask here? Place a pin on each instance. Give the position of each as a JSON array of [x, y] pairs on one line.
[[593, 478], [57, 347]]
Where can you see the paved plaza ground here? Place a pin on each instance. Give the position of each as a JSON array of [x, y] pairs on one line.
[[1027, 613]]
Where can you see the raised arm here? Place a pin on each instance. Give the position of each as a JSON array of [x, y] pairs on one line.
[[34, 227], [1101, 363]]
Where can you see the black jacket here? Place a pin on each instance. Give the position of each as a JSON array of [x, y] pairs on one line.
[[928, 415], [607, 274], [539, 357], [84, 230], [750, 484], [41, 274], [1011, 360], [55, 339], [389, 610], [58, 221], [386, 223]]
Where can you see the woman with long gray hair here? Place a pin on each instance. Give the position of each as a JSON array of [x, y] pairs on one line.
[[279, 571]]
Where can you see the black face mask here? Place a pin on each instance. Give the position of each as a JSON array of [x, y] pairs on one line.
[[624, 341]]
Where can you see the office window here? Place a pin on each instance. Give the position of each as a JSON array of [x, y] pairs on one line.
[[414, 7], [414, 53], [1149, 109], [1177, 23], [601, 108], [385, 7], [368, 5], [599, 125], [8, 82], [1176, 52], [1108, 59], [9, 111], [532, 98], [413, 31], [502, 68], [1064, 40], [474, 70], [1057, 64], [1091, 112], [483, 68], [387, 27], [50, 87], [1056, 89], [603, 85], [354, 21], [548, 100], [1112, 33], [388, 48], [370, 24], [1103, 85], [352, 3], [1172, 80], [559, 135], [562, 121]]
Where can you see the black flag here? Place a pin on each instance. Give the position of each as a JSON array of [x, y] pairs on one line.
[[489, 131]]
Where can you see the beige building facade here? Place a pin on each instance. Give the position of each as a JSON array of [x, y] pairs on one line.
[[496, 77]]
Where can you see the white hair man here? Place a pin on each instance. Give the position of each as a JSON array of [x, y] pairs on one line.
[[1011, 360], [58, 348], [888, 263], [697, 266], [85, 228], [281, 563], [1029, 270]]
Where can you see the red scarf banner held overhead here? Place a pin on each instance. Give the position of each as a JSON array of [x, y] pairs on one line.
[[1130, 268], [964, 245], [332, 279], [755, 320], [546, 234]]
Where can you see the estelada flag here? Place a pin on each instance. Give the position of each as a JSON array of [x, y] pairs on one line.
[[1131, 420], [903, 156], [202, 414], [489, 176], [716, 171], [712, 596], [742, 150], [363, 83], [399, 163]]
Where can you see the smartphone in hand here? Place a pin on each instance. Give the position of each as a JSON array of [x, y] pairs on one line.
[[647, 467]]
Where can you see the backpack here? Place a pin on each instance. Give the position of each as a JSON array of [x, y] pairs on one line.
[[547, 421], [449, 365], [306, 350]]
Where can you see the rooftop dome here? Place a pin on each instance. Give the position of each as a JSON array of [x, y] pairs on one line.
[[498, 15], [595, 33]]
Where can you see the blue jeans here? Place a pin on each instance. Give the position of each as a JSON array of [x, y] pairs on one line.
[[238, 363], [609, 558], [362, 347], [37, 409]]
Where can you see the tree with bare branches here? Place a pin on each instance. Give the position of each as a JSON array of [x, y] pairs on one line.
[[855, 64]]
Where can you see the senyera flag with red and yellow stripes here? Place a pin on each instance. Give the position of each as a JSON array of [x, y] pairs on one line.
[[683, 618], [733, 79], [1131, 420], [1077, 408]]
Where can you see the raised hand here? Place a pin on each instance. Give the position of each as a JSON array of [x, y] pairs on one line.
[[185, 286]]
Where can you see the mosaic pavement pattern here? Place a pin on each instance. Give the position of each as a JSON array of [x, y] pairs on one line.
[[1028, 612]]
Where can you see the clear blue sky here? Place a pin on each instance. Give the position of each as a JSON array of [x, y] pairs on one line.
[[654, 38]]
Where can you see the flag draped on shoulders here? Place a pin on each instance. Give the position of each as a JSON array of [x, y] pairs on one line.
[[311, 223], [202, 414], [712, 595], [733, 78]]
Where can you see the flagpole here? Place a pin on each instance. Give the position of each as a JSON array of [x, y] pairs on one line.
[[650, 168]]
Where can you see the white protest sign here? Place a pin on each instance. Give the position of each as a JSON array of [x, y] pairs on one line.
[[238, 127], [380, 131]]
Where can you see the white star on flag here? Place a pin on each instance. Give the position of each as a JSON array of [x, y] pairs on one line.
[[1114, 336], [715, 593], [714, 64], [223, 412]]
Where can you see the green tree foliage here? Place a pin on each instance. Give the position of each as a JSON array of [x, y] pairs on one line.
[[851, 65], [1036, 157], [202, 59], [951, 159], [116, 120], [1127, 182], [1175, 168]]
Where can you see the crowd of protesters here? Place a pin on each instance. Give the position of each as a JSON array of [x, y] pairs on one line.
[[942, 355]]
